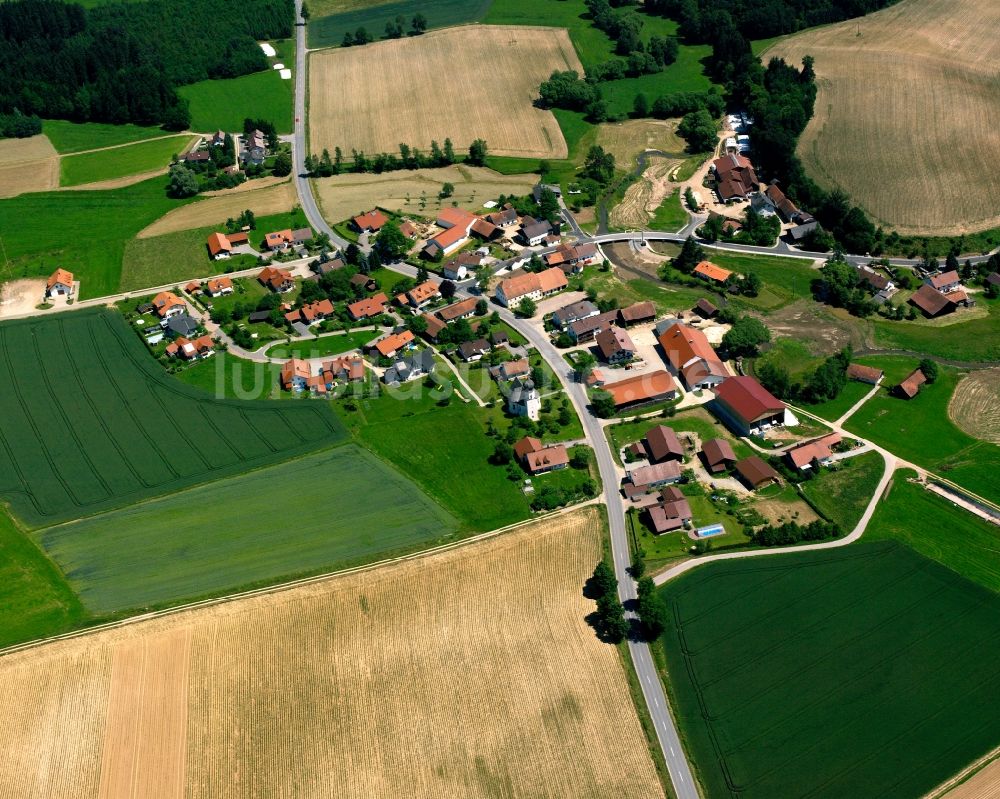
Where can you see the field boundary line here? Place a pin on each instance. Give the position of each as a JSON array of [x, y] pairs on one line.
[[288, 586], [964, 775], [129, 144]]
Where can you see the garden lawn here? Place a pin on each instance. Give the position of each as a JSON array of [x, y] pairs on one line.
[[82, 231], [181, 256], [920, 431], [328, 31], [73, 137], [938, 530], [225, 376], [830, 674], [842, 494], [35, 599], [785, 279], [327, 344], [224, 104], [248, 530], [89, 422], [117, 162]]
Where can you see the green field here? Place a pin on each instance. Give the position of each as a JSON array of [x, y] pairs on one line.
[[89, 422], [842, 403], [73, 137], [842, 494], [181, 256], [224, 104], [328, 31], [936, 529], [118, 162], [977, 339], [225, 376], [253, 529], [82, 231], [785, 279], [325, 345], [35, 599], [670, 216], [859, 672], [920, 431]]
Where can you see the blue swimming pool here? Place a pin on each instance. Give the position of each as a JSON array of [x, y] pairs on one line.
[[710, 530]]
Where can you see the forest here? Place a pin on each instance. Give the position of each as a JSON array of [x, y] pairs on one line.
[[122, 62]]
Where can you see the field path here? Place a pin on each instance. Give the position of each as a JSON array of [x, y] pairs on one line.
[[187, 134]]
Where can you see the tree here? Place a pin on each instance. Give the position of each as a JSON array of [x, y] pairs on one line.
[[746, 336], [391, 244], [447, 189], [651, 608], [362, 36], [527, 308], [776, 379], [503, 453], [282, 165], [422, 274], [599, 165], [477, 153], [601, 582], [183, 182], [447, 289], [352, 254], [640, 106], [698, 129], [419, 24], [482, 307], [603, 404], [689, 257], [585, 363], [579, 459], [929, 368], [449, 152], [483, 276]]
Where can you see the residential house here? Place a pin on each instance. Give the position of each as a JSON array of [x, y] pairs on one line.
[[219, 246], [321, 267], [614, 346], [532, 285], [574, 312], [706, 270], [512, 370], [717, 455], [201, 347], [779, 203], [408, 229], [368, 307], [746, 406], [276, 279], [945, 282], [735, 177], [572, 258], [180, 325], [705, 309], [642, 389], [462, 309], [350, 368], [457, 223], [420, 295], [662, 444], [533, 233], [59, 284], [525, 446], [546, 459], [471, 351], [434, 326], [672, 512], [524, 400], [193, 287], [656, 474], [499, 338], [370, 222], [409, 367], [196, 157], [864, 374], [219, 287], [301, 235], [755, 472], [637, 313], [538, 188], [504, 218], [391, 345], [931, 301], [311, 313], [461, 267], [910, 387], [878, 282], [295, 375], [364, 282], [691, 357], [167, 304], [218, 138], [819, 451], [279, 240], [993, 279]]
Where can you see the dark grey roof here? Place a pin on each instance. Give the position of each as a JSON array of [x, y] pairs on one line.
[[259, 316], [182, 325]]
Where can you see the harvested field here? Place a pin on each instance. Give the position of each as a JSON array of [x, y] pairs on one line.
[[346, 195], [273, 199], [984, 784], [625, 140], [27, 165], [905, 112], [426, 82], [21, 296], [400, 681], [644, 196], [973, 407]]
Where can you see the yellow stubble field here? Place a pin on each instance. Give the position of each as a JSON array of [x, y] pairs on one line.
[[463, 674], [30, 164], [465, 83]]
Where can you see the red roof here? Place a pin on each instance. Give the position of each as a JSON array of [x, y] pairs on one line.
[[662, 443], [526, 446], [369, 306], [866, 374], [747, 398], [642, 388], [373, 220], [911, 386], [717, 452], [755, 471], [218, 242], [929, 300]]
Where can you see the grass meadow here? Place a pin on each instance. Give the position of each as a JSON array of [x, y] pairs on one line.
[[82, 231], [670, 215], [831, 674], [973, 339], [117, 162], [329, 23], [73, 137], [91, 423], [920, 431], [262, 527], [325, 345], [224, 104], [842, 494]]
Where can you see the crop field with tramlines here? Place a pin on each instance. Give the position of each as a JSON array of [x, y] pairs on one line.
[[89, 422], [466, 674], [908, 103], [856, 672]]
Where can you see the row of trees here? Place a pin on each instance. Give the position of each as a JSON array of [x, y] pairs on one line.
[[325, 165], [794, 533], [121, 62], [394, 29], [19, 126], [824, 383]]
